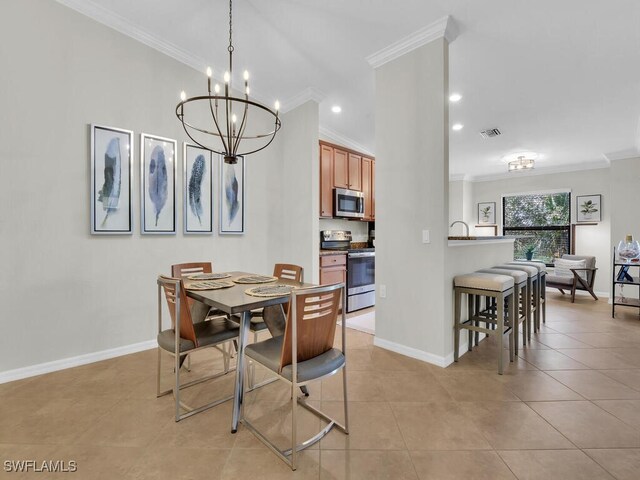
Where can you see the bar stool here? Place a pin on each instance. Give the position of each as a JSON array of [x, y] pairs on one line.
[[542, 279], [520, 294], [532, 293], [498, 287]]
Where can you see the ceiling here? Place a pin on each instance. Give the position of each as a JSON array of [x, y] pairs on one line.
[[556, 77]]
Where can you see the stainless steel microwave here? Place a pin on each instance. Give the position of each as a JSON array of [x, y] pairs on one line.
[[349, 203]]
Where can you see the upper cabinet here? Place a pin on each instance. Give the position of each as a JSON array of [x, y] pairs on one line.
[[355, 172], [367, 187], [326, 181], [341, 168]]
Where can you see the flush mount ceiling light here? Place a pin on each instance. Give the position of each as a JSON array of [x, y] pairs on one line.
[[455, 97], [457, 127], [336, 109], [230, 116], [521, 163]]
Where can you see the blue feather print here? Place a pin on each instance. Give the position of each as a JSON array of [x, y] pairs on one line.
[[109, 195], [231, 192], [198, 170], [158, 181]]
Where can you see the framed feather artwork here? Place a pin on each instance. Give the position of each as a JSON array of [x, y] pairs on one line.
[[232, 195], [198, 189], [158, 184], [111, 177]]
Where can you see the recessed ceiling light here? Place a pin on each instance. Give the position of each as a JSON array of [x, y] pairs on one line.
[[336, 109], [457, 126], [455, 97]]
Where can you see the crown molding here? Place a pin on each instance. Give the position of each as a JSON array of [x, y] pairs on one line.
[[343, 140], [576, 167], [100, 14], [456, 177], [621, 155], [310, 93], [443, 28]]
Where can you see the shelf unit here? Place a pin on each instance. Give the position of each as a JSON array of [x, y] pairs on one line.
[[625, 274]]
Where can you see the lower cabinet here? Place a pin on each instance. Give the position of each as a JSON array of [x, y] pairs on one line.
[[333, 269]]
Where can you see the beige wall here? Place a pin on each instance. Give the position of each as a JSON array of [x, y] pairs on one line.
[[67, 293]]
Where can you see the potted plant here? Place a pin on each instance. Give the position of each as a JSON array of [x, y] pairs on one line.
[[529, 251], [485, 213], [587, 209]]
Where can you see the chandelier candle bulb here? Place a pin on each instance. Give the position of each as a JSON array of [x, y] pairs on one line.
[[246, 75], [183, 96], [209, 72], [227, 77], [277, 105]]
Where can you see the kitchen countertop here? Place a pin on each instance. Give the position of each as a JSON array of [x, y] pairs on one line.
[[484, 241], [344, 252]]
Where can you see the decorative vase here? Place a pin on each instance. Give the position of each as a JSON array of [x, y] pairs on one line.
[[529, 255], [628, 249]]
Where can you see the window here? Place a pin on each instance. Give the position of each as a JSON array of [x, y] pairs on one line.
[[541, 221]]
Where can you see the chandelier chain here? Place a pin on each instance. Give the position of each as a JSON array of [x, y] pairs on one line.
[[230, 26]]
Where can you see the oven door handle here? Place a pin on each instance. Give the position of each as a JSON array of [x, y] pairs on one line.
[[362, 254]]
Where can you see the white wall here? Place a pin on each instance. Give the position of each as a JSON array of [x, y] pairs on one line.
[[411, 195], [590, 240], [300, 190], [625, 200], [67, 293]]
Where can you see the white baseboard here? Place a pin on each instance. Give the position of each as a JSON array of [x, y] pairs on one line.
[[39, 369], [412, 352]]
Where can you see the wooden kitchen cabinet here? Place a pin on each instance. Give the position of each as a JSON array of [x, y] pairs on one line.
[[340, 169], [367, 171], [326, 181], [355, 172], [373, 190], [333, 269]]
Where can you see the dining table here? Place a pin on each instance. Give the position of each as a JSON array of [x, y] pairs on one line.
[[234, 301]]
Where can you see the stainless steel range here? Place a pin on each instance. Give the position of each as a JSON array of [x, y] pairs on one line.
[[361, 264]]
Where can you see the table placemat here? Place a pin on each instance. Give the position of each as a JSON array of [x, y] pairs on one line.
[[209, 285], [255, 279], [277, 290], [208, 276]]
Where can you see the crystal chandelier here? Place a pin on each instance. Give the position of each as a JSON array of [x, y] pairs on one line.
[[230, 116], [522, 163]]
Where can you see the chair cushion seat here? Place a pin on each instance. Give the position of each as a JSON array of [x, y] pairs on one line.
[[559, 280], [484, 281], [542, 267], [268, 354], [210, 332], [518, 276], [532, 272]]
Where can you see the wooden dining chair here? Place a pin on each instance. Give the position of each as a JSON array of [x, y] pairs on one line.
[[305, 354], [285, 271], [185, 337]]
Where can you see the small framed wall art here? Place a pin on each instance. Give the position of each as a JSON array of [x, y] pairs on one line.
[[111, 177], [198, 189], [487, 213], [157, 184], [232, 197], [589, 208]]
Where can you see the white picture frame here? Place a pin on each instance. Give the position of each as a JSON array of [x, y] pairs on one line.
[[158, 168], [232, 186], [487, 213], [588, 208], [111, 157], [198, 190]]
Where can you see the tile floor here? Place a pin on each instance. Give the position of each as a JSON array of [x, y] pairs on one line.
[[568, 408]]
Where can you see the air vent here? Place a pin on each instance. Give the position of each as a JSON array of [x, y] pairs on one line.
[[490, 133]]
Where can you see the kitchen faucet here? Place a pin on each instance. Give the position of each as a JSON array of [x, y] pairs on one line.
[[464, 223]]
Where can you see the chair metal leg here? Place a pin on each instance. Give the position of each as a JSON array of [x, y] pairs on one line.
[[158, 376], [294, 443], [456, 325], [470, 316], [346, 403], [500, 321], [514, 315]]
